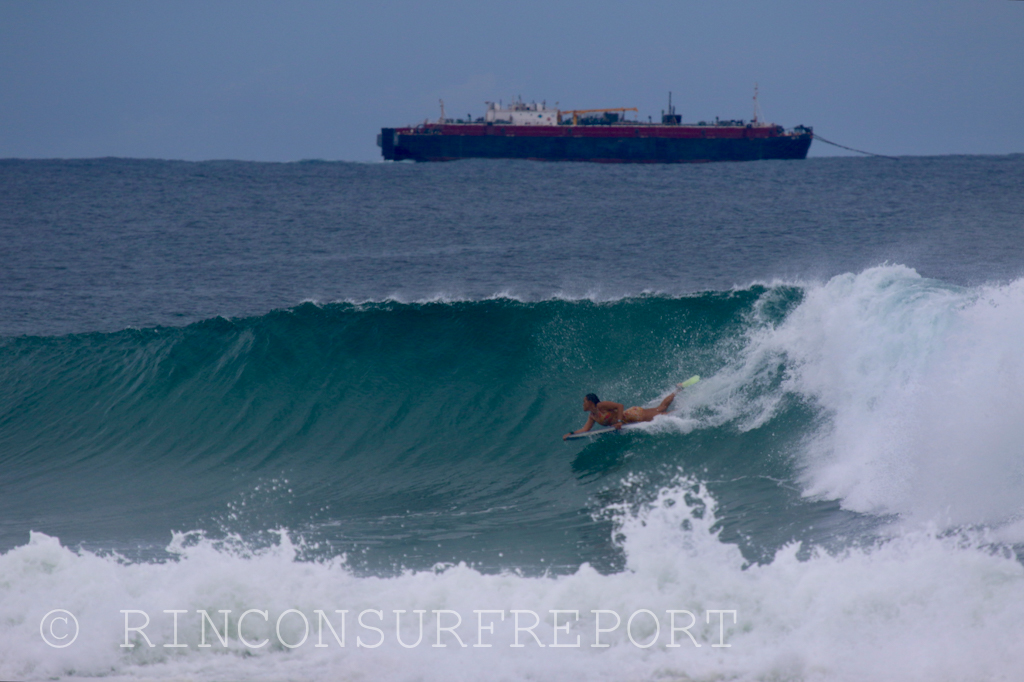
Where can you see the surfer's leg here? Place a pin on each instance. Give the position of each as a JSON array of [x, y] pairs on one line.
[[648, 414], [665, 403]]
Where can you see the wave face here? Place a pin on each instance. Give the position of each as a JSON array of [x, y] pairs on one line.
[[863, 433], [394, 424]]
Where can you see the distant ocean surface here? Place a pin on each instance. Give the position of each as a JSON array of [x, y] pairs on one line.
[[317, 387]]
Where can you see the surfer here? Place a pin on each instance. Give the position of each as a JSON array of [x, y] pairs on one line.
[[607, 413]]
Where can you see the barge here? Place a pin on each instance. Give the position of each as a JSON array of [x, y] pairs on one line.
[[533, 131]]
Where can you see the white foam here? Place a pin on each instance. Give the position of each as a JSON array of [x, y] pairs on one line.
[[915, 608], [923, 384]]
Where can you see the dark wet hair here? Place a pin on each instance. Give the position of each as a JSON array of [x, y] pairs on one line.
[[592, 398]]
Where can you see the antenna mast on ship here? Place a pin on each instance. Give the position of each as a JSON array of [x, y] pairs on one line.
[[441, 120], [757, 108], [671, 118]]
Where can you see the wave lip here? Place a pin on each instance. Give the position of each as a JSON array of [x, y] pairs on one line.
[[921, 384]]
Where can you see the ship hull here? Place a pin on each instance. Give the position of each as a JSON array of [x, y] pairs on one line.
[[608, 144]]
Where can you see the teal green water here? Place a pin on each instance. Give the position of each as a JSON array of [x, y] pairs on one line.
[[415, 432]]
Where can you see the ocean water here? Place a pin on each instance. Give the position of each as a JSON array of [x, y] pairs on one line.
[[322, 403]]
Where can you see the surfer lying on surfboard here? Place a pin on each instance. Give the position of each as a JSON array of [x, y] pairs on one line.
[[607, 413]]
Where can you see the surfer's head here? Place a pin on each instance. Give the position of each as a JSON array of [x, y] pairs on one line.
[[592, 399]]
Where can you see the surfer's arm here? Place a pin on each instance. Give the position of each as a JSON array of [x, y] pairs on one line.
[[586, 427]]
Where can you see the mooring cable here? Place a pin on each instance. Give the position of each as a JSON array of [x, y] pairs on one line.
[[859, 151]]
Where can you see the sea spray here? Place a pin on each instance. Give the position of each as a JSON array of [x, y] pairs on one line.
[[920, 382], [915, 607]]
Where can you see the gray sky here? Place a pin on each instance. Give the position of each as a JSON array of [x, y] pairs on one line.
[[282, 81]]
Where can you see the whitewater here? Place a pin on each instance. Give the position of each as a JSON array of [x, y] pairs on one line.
[[226, 462]]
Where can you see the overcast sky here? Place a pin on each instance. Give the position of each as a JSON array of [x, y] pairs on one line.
[[281, 81]]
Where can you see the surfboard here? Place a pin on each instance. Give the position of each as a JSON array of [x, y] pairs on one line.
[[599, 431], [611, 429]]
